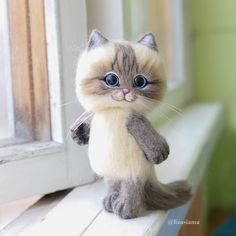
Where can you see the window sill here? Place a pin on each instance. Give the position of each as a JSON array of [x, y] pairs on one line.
[[28, 150], [191, 137]]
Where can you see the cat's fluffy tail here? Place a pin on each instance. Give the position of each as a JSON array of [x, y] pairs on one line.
[[167, 196]]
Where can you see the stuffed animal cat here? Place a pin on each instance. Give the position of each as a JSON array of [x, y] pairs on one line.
[[119, 82]]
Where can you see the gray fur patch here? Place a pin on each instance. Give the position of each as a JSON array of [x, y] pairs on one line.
[[129, 199], [113, 193], [154, 146], [166, 196], [125, 63]]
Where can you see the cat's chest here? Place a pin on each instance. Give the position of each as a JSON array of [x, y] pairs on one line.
[[113, 151], [109, 128]]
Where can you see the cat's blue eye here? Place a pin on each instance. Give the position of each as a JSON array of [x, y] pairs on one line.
[[111, 80], [140, 81]]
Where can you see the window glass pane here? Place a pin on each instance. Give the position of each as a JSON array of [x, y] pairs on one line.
[[24, 100], [100, 15], [24, 72]]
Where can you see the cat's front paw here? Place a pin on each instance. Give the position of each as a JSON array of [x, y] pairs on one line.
[[124, 209], [160, 152]]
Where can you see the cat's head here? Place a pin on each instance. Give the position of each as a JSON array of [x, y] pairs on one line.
[[120, 74]]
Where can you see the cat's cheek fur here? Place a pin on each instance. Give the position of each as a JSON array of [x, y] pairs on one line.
[[117, 95], [96, 103]]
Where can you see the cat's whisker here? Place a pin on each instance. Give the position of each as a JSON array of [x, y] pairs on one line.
[[84, 119], [170, 120], [174, 107], [68, 103], [165, 116], [67, 135], [171, 107], [85, 113], [145, 106]]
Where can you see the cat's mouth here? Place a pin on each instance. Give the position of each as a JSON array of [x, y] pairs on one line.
[[120, 96]]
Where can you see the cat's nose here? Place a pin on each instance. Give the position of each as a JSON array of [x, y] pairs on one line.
[[125, 90]]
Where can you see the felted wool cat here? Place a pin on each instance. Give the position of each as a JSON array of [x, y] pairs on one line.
[[118, 82]]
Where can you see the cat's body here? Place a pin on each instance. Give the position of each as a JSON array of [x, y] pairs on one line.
[[113, 151], [119, 82]]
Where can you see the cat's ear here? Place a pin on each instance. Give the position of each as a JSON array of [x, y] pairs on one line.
[[148, 40], [96, 39]]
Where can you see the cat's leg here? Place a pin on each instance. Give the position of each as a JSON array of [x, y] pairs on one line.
[[129, 203], [113, 193]]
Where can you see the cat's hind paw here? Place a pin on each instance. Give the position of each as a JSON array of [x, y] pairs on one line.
[[123, 209], [109, 200]]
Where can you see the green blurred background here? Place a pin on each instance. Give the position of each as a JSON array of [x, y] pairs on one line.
[[214, 74]]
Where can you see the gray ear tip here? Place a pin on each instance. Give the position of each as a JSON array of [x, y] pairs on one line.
[[94, 34], [95, 31], [96, 39], [149, 34], [148, 39]]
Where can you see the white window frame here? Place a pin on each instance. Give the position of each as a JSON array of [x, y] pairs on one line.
[[177, 41], [38, 168], [6, 110], [180, 91]]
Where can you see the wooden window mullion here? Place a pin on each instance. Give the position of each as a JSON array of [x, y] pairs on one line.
[[39, 70], [29, 69]]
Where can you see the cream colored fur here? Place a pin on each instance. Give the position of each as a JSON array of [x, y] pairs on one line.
[[117, 154]]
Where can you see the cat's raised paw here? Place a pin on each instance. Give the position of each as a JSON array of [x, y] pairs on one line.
[[80, 134], [160, 153]]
